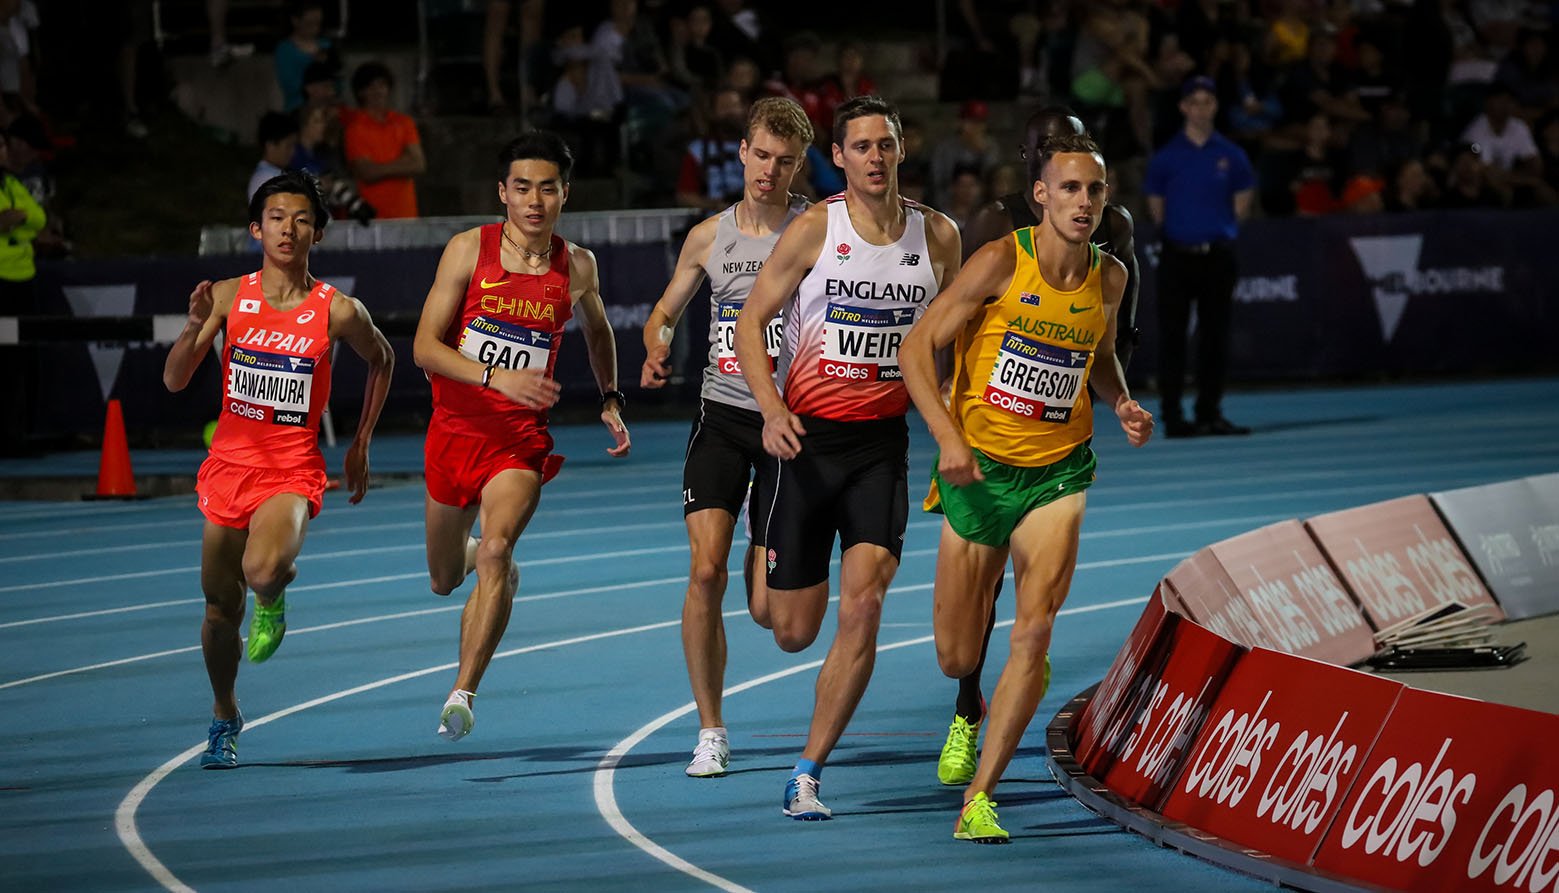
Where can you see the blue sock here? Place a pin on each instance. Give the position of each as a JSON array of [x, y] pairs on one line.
[[805, 766]]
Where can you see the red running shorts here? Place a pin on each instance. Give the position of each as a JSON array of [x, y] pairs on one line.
[[457, 466], [229, 494]]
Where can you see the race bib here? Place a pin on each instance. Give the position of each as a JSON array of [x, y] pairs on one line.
[[725, 335], [862, 343], [505, 344], [269, 387], [1036, 380]]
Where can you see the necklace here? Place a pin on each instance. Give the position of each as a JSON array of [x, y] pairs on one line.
[[525, 253]]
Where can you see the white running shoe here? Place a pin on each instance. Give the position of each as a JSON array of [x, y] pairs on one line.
[[711, 755], [801, 800], [457, 719], [472, 542]]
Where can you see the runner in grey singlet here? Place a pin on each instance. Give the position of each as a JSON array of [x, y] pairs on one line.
[[733, 265]]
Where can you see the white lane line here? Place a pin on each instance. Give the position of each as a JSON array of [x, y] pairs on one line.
[[340, 624], [1282, 457], [313, 535], [362, 581], [348, 553], [1096, 507], [606, 770], [124, 816], [80, 615]]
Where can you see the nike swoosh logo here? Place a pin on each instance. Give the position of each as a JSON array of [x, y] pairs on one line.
[[1076, 309], [486, 284]]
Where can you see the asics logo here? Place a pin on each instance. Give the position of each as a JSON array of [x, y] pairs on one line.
[[486, 284]]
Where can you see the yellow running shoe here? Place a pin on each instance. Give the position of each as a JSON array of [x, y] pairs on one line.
[[960, 753], [977, 822], [266, 629]]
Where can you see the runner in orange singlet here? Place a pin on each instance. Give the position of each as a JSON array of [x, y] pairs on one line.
[[265, 477], [489, 338]]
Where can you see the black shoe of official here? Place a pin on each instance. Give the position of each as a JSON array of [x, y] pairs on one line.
[[1220, 427], [1179, 428]]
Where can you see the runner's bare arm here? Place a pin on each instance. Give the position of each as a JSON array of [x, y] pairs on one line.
[[350, 322], [585, 288], [1107, 376], [989, 273], [945, 245], [789, 263], [527, 387], [209, 305], [685, 280]]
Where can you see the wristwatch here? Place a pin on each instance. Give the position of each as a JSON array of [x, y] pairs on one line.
[[622, 402]]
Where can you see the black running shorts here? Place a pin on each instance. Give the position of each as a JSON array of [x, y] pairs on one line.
[[725, 453], [850, 478]]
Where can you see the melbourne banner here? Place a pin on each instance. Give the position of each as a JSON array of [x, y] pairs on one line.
[[1364, 295], [1330, 297], [73, 373]]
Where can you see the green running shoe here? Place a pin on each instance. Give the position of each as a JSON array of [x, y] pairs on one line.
[[266, 629], [960, 753], [978, 822]]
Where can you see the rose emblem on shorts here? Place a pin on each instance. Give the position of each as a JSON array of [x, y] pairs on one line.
[[773, 558]]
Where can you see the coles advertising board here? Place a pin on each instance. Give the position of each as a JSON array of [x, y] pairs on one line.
[[1145, 743], [1138, 659], [1211, 599], [1399, 560], [1457, 795], [1292, 590], [1283, 743]]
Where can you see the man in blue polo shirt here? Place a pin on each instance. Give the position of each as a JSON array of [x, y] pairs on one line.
[[1199, 187]]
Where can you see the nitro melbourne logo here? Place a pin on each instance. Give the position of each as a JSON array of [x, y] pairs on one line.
[[1391, 264]]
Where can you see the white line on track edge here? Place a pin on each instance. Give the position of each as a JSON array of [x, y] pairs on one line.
[[606, 770]]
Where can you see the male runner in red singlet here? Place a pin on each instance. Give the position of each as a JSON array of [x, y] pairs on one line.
[[854, 273], [265, 477], [489, 337]]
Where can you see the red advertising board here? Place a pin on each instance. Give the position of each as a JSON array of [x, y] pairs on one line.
[[1144, 745], [1457, 794], [1280, 748], [1212, 599], [1399, 560], [1294, 593], [1137, 657]]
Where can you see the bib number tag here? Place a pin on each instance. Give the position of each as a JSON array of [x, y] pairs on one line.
[[269, 387], [1035, 380], [505, 344], [862, 343], [725, 334]]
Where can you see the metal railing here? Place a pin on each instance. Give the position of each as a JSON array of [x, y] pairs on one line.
[[161, 34], [585, 227]]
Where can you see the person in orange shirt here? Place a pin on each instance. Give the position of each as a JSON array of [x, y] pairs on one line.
[[383, 149]]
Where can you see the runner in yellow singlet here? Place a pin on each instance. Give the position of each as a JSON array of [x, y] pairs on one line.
[[1032, 318]]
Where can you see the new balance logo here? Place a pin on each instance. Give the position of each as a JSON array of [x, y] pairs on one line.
[[910, 260]]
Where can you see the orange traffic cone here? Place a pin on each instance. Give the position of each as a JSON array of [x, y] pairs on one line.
[[115, 478]]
